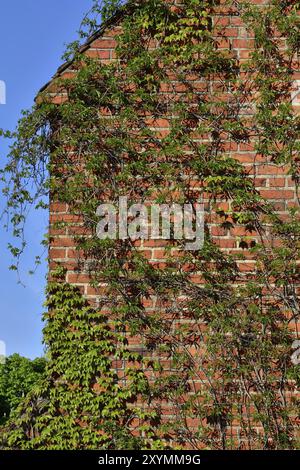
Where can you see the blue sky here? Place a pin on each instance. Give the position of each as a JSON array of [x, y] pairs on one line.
[[32, 38]]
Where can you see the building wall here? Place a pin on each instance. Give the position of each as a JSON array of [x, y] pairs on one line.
[[272, 180]]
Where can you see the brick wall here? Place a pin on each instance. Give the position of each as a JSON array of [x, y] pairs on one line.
[[272, 180]]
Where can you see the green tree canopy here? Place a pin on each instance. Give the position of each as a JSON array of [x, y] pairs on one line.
[[18, 375]]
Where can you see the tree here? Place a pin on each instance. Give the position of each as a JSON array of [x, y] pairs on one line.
[[18, 376], [224, 334]]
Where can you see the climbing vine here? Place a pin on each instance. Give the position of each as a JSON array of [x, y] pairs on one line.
[[215, 352], [83, 404]]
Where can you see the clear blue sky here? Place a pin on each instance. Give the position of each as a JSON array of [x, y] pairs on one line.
[[32, 38]]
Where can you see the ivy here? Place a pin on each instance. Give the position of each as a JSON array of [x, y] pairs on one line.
[[83, 403]]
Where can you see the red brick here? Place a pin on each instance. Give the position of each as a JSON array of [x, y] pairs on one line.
[[231, 32], [61, 242], [279, 194], [57, 253], [104, 44], [98, 54]]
